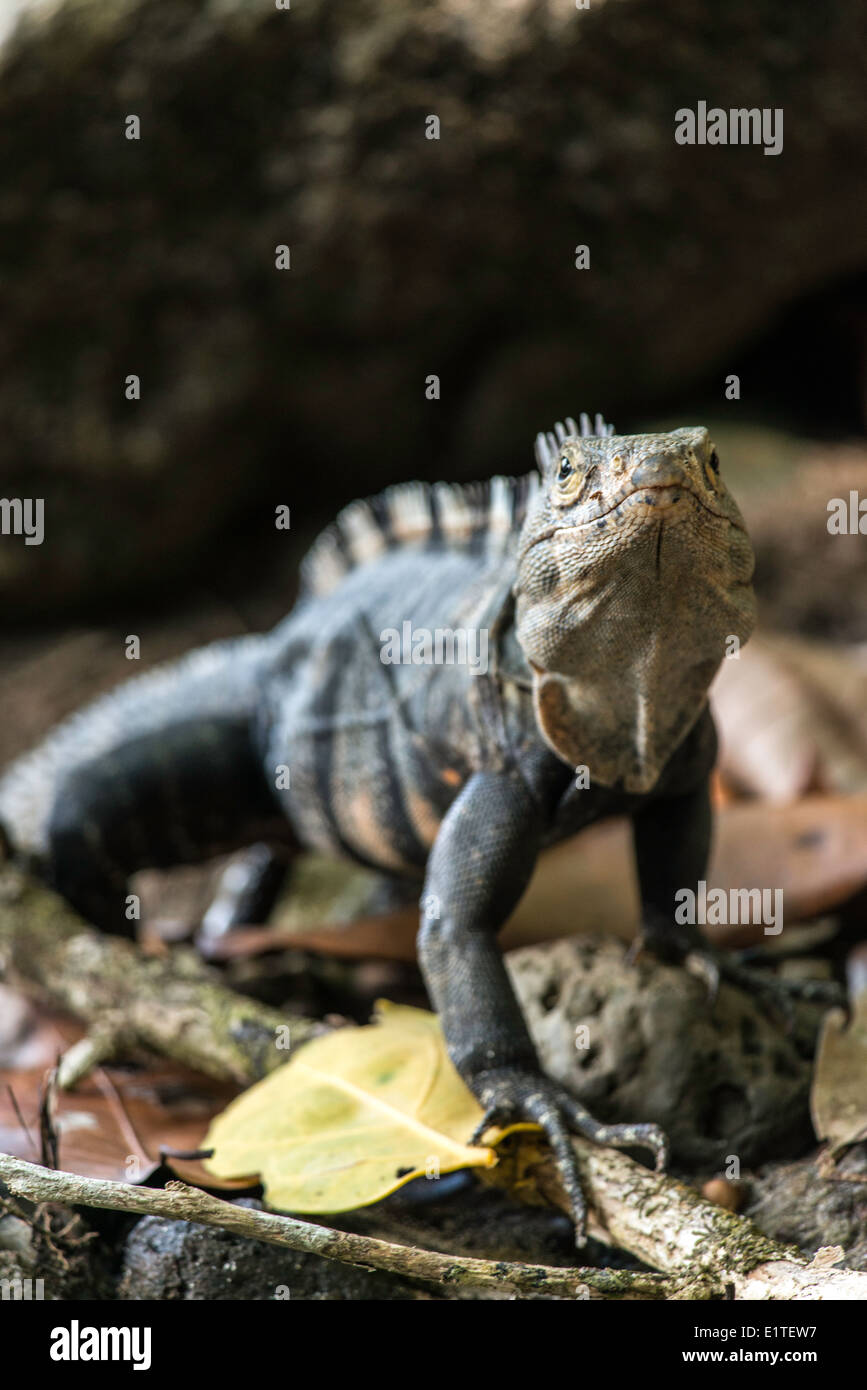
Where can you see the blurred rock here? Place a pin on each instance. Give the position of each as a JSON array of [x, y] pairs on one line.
[[809, 579], [176, 1260], [803, 1204], [727, 1080], [409, 256]]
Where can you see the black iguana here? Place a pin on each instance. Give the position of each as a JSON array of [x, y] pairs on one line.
[[607, 587]]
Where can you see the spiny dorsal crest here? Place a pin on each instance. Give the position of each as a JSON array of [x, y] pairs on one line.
[[548, 445], [480, 517]]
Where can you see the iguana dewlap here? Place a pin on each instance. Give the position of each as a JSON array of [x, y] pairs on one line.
[[603, 593]]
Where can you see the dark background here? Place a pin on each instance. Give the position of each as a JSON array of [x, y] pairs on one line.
[[305, 387]]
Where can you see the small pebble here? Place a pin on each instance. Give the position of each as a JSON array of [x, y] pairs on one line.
[[724, 1193]]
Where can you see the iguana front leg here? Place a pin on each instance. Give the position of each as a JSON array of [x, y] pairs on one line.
[[672, 847], [480, 865]]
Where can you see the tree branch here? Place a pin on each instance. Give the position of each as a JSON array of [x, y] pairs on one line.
[[173, 1005], [672, 1228], [180, 1202]]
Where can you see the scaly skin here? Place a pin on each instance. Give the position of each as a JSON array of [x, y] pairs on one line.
[[611, 593]]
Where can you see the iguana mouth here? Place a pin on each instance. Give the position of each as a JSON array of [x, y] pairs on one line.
[[681, 489], [677, 490]]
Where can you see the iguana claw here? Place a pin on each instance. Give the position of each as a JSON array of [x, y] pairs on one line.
[[511, 1094], [713, 965], [780, 992]]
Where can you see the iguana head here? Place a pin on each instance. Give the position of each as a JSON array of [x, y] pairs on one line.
[[633, 576]]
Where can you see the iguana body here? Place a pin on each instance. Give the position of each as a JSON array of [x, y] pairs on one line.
[[608, 588]]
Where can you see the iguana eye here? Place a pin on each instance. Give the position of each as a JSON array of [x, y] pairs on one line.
[[714, 461], [565, 469]]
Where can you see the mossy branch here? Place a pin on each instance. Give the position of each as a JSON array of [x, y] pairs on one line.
[[173, 1005], [179, 1202], [672, 1228]]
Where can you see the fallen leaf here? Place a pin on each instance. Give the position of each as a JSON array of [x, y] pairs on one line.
[[814, 850], [839, 1096], [790, 718], [353, 1117], [112, 1124]]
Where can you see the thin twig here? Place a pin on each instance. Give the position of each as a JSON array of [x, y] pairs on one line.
[[21, 1120], [180, 1202]]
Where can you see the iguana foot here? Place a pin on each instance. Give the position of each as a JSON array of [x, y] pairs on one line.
[[713, 965], [510, 1094], [780, 993]]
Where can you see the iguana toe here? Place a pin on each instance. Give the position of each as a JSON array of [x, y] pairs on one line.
[[512, 1094]]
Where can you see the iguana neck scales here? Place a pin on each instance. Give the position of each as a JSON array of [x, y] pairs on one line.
[[607, 586], [633, 572]]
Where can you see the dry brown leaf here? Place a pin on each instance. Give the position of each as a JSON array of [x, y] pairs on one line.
[[113, 1124], [792, 717], [839, 1096], [815, 850]]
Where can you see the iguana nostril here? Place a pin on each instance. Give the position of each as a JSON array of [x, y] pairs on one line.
[[660, 470]]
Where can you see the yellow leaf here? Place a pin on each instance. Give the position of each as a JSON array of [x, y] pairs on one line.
[[353, 1117]]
